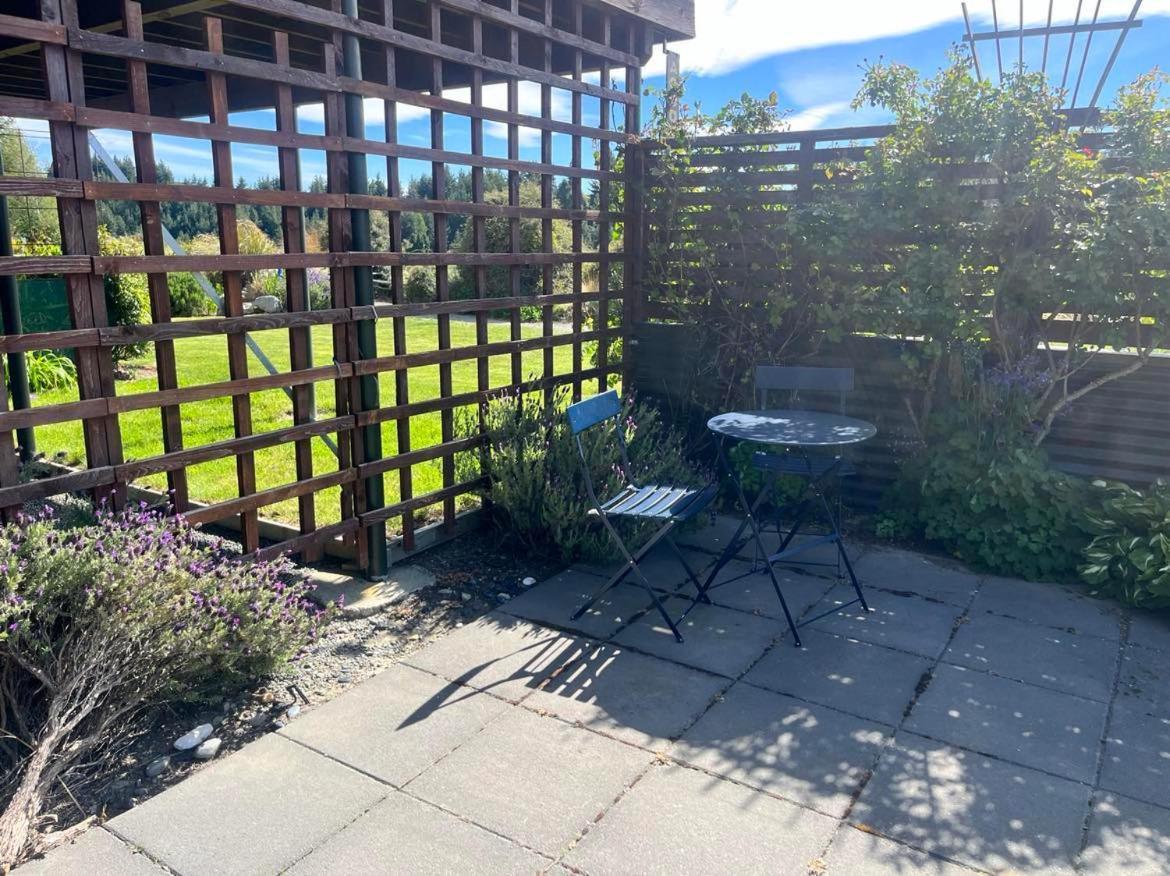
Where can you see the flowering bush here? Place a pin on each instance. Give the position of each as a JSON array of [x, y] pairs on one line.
[[534, 471], [99, 621]]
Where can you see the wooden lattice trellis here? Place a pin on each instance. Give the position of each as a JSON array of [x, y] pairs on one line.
[[413, 52]]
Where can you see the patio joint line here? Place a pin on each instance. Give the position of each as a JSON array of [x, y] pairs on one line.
[[132, 847], [1099, 766], [403, 789], [891, 740], [334, 833], [1012, 678]]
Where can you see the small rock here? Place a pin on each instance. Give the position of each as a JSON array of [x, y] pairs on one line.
[[208, 749], [529, 581], [292, 711], [344, 678], [279, 723], [267, 304], [259, 719], [158, 766], [465, 596], [503, 597], [193, 738]]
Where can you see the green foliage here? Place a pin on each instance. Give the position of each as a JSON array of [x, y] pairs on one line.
[[187, 298], [998, 506], [536, 486], [788, 314], [419, 284], [1058, 238], [1129, 556], [31, 218], [48, 369]]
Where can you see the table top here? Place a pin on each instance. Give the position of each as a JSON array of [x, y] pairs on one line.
[[792, 428]]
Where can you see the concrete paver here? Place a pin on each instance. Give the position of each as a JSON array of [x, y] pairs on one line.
[[849, 675], [396, 724], [256, 812], [715, 639], [974, 809], [906, 623], [1051, 658], [810, 754], [402, 835], [500, 654], [641, 700], [535, 779], [1128, 837], [1052, 605], [1137, 755], [677, 820], [917, 575], [97, 852], [1029, 725], [555, 601]]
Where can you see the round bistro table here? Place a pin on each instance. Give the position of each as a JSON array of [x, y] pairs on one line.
[[803, 433]]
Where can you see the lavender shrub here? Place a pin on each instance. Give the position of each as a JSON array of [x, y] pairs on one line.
[[98, 622]]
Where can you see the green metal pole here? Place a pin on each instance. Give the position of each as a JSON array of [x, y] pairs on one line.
[[363, 281], [10, 317]]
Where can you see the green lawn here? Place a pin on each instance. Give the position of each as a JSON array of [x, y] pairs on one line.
[[204, 360]]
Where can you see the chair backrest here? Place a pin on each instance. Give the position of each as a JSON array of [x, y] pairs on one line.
[[795, 379], [593, 410]]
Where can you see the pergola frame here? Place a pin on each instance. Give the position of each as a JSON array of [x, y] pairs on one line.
[[155, 70]]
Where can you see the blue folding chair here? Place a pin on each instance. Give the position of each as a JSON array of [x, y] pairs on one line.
[[670, 505]]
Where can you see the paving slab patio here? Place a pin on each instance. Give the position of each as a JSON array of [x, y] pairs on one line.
[[965, 724]]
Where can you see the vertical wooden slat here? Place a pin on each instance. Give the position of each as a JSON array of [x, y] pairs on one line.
[[605, 164], [9, 462], [578, 204], [65, 83], [442, 286], [233, 298], [152, 244], [397, 287], [514, 189], [296, 294], [479, 232], [347, 390], [632, 211], [546, 203]]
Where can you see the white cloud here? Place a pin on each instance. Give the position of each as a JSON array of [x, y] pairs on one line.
[[735, 33], [815, 116], [373, 107]]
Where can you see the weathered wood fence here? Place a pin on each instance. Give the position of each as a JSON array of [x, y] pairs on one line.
[[184, 71], [1121, 432]]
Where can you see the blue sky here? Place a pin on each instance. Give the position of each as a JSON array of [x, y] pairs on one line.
[[811, 54]]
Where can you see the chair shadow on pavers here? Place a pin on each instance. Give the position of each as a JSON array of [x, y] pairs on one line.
[[630, 696], [973, 809]]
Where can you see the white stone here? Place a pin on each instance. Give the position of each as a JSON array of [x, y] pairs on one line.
[[208, 749], [267, 304], [195, 737], [529, 581], [292, 711]]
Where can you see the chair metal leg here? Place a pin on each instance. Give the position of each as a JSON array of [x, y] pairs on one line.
[[632, 566], [690, 572]]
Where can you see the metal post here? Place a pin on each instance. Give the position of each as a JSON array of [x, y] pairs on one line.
[[363, 281], [10, 317]]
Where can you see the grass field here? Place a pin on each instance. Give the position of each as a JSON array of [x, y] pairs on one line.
[[204, 360]]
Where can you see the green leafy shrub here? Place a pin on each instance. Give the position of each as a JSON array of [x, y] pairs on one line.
[[100, 621], [320, 290], [983, 492], [536, 485], [187, 298], [419, 284], [126, 305], [48, 369], [1129, 556]]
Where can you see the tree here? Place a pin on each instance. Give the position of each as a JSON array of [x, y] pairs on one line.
[[985, 230], [32, 219]]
